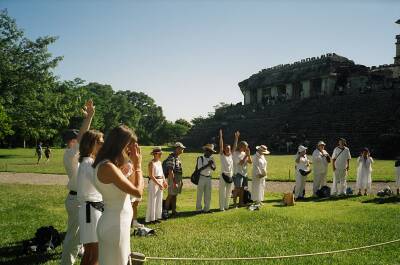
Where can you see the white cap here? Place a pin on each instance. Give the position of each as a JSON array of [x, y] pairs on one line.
[[301, 148], [321, 143], [179, 144]]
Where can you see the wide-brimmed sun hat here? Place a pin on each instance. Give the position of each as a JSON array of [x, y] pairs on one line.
[[179, 144], [301, 148], [263, 149], [321, 143], [244, 143], [156, 149], [209, 147]]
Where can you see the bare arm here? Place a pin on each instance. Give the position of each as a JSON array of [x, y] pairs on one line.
[[235, 141], [221, 142], [88, 112]]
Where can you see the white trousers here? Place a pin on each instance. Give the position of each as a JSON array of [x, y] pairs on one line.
[[339, 184], [204, 187], [154, 202], [319, 181], [300, 185], [257, 189], [71, 240], [224, 194]]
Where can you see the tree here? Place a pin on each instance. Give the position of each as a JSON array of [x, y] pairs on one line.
[[184, 123]]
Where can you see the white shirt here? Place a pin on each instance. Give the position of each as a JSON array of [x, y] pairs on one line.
[[71, 164], [319, 161], [303, 163], [259, 165], [397, 171], [226, 164], [86, 189], [341, 160], [237, 167], [202, 162], [157, 169]]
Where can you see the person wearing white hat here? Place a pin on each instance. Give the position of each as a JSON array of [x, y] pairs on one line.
[[225, 180], [157, 184], [302, 170], [259, 174], [341, 163], [320, 160], [206, 165]]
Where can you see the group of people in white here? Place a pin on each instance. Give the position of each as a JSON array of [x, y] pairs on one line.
[[106, 183]]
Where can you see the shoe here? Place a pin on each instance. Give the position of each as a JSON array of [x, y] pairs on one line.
[[135, 223], [207, 211]]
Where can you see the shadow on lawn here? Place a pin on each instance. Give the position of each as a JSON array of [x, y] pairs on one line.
[[14, 255], [382, 200]]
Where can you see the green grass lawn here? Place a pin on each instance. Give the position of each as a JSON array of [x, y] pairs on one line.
[[279, 167], [307, 227]]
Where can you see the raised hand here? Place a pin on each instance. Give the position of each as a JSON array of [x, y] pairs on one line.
[[89, 109], [237, 135], [135, 156]]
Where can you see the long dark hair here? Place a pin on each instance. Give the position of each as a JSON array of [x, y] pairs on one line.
[[88, 142], [113, 146]]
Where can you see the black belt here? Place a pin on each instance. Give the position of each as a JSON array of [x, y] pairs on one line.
[[97, 205], [205, 176], [71, 192]]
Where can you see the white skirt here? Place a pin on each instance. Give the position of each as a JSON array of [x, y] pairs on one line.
[[87, 231], [364, 179]]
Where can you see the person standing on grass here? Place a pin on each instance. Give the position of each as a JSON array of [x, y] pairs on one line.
[[364, 170], [302, 170], [39, 152], [127, 170], [206, 165], [47, 153], [172, 167], [113, 229], [259, 174], [88, 196], [320, 160], [72, 138], [241, 158], [157, 184], [397, 172], [341, 164], [225, 180]]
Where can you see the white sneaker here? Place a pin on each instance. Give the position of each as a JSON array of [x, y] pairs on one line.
[[135, 223]]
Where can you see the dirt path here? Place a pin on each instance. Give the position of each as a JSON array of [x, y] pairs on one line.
[[53, 179]]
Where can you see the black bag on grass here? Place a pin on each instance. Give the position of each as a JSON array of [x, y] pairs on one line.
[[324, 192], [46, 238]]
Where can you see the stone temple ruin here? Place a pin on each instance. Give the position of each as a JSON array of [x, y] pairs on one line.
[[317, 98]]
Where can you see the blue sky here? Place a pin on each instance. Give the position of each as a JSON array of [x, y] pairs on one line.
[[190, 55]]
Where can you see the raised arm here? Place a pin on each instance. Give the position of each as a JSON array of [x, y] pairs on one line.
[[235, 141], [221, 142], [88, 112]]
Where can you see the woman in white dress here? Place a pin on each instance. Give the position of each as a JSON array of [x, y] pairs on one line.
[[259, 174], [302, 170], [226, 178], [364, 171], [113, 229], [88, 196], [157, 184]]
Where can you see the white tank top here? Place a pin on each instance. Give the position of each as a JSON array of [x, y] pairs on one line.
[[85, 180], [157, 169]]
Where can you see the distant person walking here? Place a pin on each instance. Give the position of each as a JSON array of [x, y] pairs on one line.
[[225, 180], [241, 158], [47, 153], [259, 174], [157, 183], [113, 229], [39, 152], [172, 167], [72, 138], [364, 171], [341, 164], [88, 196], [302, 170], [206, 165], [320, 160]]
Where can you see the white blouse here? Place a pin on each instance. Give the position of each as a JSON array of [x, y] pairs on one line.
[[85, 180]]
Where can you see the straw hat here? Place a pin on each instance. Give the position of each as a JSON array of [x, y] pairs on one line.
[[179, 144], [209, 147], [263, 149], [156, 149]]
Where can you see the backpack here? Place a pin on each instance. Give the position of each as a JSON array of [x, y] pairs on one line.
[[46, 238], [164, 165], [247, 197], [194, 178], [324, 192]]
